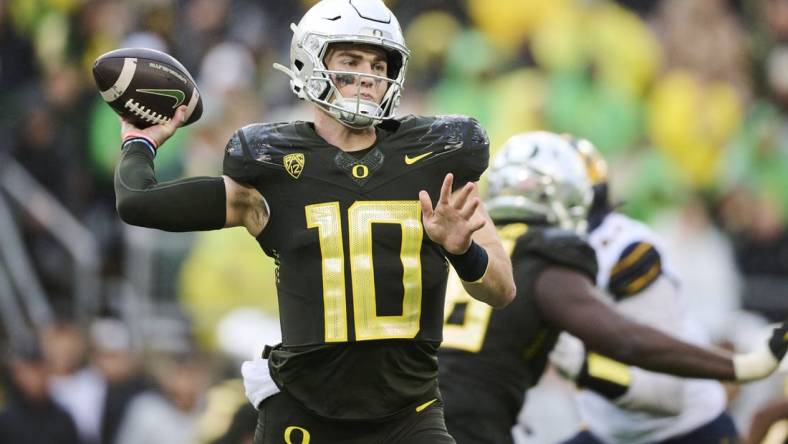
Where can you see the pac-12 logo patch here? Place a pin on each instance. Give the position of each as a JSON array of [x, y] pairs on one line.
[[294, 164]]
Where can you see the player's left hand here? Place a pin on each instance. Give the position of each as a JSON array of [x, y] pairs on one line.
[[452, 223], [765, 357]]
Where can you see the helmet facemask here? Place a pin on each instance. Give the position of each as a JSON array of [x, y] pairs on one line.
[[324, 87]]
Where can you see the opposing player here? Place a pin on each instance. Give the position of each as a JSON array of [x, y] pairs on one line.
[[539, 195], [625, 404], [361, 212]]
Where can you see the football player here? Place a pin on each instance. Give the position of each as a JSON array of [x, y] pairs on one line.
[[539, 195], [362, 213], [625, 404]]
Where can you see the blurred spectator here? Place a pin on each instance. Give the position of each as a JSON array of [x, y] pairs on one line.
[[170, 414], [16, 54], [760, 239], [17, 73], [74, 385], [116, 359], [241, 430], [228, 416], [707, 38], [30, 415], [705, 264]]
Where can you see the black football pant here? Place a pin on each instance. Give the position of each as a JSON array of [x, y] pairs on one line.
[[282, 420]]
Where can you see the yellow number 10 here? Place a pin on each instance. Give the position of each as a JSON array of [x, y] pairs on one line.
[[327, 219]]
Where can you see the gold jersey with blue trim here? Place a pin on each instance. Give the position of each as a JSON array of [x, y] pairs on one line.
[[635, 272], [360, 285]]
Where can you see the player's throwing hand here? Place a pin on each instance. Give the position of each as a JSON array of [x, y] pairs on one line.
[[157, 134]]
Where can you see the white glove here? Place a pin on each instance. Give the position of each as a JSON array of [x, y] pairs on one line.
[[568, 356], [765, 357], [257, 381]]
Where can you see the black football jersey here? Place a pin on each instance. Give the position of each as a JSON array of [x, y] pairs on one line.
[[489, 358], [360, 285]]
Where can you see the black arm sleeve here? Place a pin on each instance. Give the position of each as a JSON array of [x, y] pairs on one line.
[[191, 204]]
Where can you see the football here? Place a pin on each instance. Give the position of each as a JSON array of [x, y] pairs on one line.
[[145, 86]]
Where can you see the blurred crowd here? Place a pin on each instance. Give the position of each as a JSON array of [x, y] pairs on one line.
[[687, 99]]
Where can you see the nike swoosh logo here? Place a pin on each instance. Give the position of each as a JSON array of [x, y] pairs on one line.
[[176, 94], [425, 405], [411, 160]]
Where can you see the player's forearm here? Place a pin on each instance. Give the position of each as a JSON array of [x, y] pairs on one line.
[[182, 205], [568, 300], [645, 347], [653, 350]]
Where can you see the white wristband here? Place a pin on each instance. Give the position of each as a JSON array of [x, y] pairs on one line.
[[754, 365]]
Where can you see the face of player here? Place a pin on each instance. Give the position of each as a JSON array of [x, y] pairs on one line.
[[362, 59]]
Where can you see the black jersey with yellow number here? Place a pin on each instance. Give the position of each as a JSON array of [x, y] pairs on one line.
[[360, 285], [489, 358]]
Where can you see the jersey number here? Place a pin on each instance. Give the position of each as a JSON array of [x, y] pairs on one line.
[[327, 219], [469, 335]]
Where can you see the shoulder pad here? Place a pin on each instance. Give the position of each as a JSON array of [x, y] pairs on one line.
[[252, 147], [557, 246], [459, 137], [637, 267], [446, 133]]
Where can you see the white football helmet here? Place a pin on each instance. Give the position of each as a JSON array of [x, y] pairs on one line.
[[347, 21], [539, 177]]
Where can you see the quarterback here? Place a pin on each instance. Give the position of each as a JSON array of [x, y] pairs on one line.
[[362, 212]]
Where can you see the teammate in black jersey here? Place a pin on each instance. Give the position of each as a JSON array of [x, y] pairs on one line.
[[361, 212], [490, 358]]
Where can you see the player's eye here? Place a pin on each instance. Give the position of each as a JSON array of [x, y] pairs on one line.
[[344, 79]]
